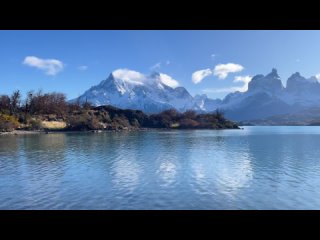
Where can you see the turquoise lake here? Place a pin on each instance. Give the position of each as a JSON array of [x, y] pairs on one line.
[[254, 168]]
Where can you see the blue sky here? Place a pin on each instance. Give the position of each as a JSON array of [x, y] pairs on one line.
[[73, 61]]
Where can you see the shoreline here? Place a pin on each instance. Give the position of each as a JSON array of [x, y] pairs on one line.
[[21, 132], [33, 132]]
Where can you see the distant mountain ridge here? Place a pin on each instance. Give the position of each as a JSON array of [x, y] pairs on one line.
[[266, 96]]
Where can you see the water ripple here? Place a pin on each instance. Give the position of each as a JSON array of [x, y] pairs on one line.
[[255, 168]]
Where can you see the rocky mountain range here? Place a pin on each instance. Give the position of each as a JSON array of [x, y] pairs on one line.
[[266, 96]]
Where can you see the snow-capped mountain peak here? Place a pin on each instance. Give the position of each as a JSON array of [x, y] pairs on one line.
[[126, 88]]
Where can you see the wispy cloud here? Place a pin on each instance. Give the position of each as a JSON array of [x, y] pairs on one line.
[[221, 90], [213, 56], [318, 76], [199, 75], [222, 70], [156, 66], [83, 68], [50, 66]]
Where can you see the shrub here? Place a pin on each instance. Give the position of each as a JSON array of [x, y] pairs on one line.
[[188, 123], [78, 122], [8, 123], [84, 121], [135, 123], [106, 117], [35, 124], [94, 124], [121, 122]]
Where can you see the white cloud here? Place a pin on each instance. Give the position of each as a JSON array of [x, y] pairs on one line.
[[83, 68], [129, 75], [50, 66], [139, 78], [169, 81], [318, 76], [222, 70], [156, 66], [201, 74], [243, 79]]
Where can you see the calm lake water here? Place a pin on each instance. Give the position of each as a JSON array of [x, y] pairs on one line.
[[254, 168]]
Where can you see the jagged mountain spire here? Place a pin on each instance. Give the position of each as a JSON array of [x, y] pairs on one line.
[[270, 83]]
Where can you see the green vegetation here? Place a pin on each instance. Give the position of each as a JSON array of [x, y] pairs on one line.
[[50, 111]]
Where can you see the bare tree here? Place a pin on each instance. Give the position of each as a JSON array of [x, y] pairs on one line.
[[4, 103], [15, 102]]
